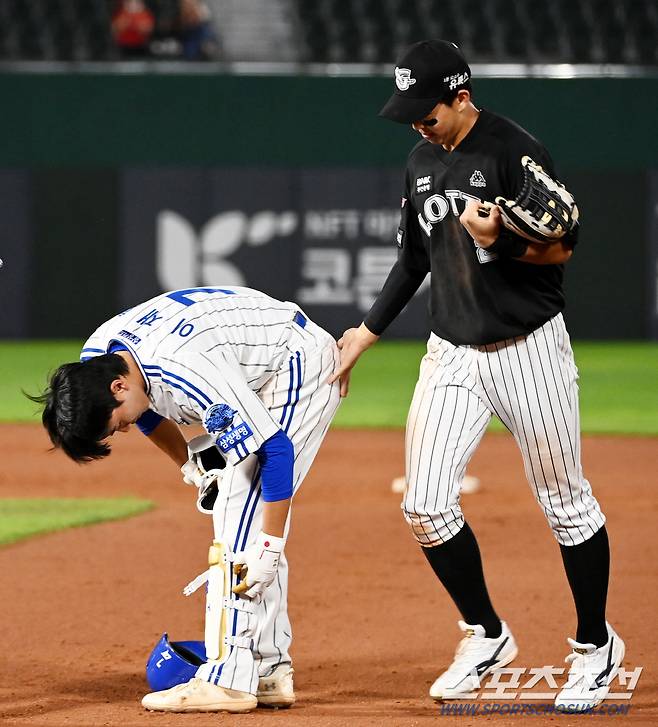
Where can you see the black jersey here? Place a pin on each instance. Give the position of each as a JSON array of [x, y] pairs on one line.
[[476, 296]]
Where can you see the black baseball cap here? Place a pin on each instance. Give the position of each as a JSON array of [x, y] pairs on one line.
[[423, 75]]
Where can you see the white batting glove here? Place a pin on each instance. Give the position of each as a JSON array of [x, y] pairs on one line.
[[204, 470], [257, 565]]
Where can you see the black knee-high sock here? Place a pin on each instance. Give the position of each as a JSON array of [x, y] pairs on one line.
[[588, 567], [458, 565]]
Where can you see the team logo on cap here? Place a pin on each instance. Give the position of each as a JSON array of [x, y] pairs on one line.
[[456, 80], [403, 78]]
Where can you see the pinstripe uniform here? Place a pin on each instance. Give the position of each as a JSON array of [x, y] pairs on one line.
[[269, 364], [529, 382], [498, 344]]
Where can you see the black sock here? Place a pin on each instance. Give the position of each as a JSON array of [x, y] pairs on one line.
[[588, 566], [458, 566]]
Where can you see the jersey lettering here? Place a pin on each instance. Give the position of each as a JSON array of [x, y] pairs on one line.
[[453, 196], [183, 329], [231, 438], [130, 336], [437, 207], [423, 184], [150, 318]]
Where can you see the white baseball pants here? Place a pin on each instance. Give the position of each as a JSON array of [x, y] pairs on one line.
[[300, 399], [529, 382]]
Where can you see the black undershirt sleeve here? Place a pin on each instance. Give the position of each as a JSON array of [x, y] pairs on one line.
[[398, 290], [406, 275]]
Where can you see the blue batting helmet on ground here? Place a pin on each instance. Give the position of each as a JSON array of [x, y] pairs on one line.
[[173, 663]]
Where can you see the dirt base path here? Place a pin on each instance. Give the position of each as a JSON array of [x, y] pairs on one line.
[[82, 609]]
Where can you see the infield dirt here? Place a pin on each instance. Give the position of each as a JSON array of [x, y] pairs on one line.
[[82, 609]]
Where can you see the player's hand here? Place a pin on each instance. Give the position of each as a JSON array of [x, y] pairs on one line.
[[257, 566], [351, 345], [482, 221]]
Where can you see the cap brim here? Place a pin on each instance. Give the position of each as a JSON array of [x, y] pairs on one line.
[[406, 110]]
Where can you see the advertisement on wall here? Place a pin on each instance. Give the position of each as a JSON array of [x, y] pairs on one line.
[[81, 244], [323, 238]]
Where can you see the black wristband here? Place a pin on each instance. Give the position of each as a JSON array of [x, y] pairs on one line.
[[508, 245]]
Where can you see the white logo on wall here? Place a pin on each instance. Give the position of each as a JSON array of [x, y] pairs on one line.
[[185, 258], [330, 275], [403, 78]]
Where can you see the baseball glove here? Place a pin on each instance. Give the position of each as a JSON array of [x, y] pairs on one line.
[[544, 211]]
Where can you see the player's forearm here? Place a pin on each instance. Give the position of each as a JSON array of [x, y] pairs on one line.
[[276, 458], [169, 439], [398, 290], [553, 254], [275, 515]]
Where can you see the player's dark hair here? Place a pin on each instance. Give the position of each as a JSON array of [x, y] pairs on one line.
[[450, 96], [78, 404]]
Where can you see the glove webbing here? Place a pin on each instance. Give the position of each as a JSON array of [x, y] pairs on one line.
[[535, 197]]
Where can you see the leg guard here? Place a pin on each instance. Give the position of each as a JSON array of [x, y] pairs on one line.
[[220, 602]]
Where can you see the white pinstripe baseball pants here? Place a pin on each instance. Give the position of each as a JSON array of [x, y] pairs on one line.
[[529, 382], [300, 399]]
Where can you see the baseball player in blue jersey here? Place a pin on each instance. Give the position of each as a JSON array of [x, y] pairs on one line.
[[253, 370]]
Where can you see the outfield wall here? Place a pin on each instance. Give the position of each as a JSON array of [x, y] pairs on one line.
[[114, 187]]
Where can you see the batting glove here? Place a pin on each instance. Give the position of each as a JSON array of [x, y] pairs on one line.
[[257, 566]]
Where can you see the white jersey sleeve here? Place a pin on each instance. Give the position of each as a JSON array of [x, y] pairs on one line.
[[212, 385]]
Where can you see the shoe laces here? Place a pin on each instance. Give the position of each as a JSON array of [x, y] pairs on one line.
[[579, 671], [466, 647]]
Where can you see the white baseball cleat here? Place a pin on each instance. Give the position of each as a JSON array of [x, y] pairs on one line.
[[591, 673], [475, 658], [198, 695], [276, 689]]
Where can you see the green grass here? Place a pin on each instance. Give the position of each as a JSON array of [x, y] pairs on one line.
[[618, 387], [618, 383], [25, 365], [22, 518]]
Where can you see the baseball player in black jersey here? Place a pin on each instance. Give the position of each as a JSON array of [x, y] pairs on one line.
[[498, 346]]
